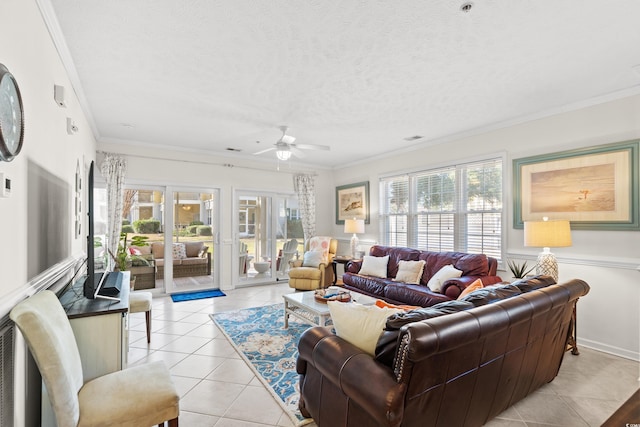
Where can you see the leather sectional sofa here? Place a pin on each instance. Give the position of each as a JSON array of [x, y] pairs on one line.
[[473, 266], [457, 363]]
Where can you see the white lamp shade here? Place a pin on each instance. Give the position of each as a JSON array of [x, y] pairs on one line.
[[547, 234], [355, 226]]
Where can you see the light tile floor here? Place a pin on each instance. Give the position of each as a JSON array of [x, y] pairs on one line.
[[218, 389]]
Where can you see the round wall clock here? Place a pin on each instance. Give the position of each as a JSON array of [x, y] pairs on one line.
[[11, 116]]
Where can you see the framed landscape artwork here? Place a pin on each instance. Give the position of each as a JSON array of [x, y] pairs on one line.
[[595, 188], [352, 201]]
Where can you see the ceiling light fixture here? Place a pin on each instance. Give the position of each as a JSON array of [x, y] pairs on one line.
[[466, 7], [283, 153]]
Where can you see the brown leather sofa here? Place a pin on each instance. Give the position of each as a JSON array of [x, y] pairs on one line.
[[456, 369], [473, 266]]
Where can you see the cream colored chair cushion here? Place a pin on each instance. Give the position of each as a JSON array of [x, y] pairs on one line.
[[140, 302], [139, 396]]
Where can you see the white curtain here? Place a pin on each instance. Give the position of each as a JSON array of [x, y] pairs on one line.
[[113, 169], [305, 187]]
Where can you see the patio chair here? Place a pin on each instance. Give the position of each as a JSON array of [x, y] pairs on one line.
[[289, 249]]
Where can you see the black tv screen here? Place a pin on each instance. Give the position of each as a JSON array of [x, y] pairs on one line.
[[90, 281]]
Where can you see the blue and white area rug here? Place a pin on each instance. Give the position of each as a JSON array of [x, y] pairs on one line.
[[271, 351]]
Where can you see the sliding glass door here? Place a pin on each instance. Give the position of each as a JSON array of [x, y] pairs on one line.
[[193, 240], [183, 220], [268, 236]]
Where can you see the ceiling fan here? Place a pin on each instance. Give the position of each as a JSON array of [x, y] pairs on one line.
[[285, 147]]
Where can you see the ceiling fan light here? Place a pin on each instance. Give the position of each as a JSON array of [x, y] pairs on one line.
[[283, 154]]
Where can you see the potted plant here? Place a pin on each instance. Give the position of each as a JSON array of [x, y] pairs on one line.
[[519, 271], [124, 259]]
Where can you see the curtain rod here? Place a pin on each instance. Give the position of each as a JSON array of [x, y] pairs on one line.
[[202, 162]]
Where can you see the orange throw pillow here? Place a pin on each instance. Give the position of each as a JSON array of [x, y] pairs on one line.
[[383, 304], [472, 287]]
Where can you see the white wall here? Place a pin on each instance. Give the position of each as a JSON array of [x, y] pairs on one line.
[[158, 167], [28, 52], [607, 260]]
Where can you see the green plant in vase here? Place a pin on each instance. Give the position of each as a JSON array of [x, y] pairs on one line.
[[123, 258], [519, 271]]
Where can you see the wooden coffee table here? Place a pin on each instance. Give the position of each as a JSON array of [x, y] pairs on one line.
[[305, 307]]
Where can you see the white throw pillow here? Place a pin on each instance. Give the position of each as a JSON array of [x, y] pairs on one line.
[[321, 243], [375, 266], [312, 259], [410, 271], [179, 251], [359, 324], [445, 273]]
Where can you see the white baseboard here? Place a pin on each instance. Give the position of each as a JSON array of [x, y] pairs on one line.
[[616, 351]]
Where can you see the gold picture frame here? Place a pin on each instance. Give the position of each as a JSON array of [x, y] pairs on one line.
[[352, 201], [595, 188]]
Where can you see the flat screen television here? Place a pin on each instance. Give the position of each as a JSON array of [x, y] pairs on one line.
[[91, 281]]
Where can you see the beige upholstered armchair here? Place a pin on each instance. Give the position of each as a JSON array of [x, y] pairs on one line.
[[143, 395], [314, 270]]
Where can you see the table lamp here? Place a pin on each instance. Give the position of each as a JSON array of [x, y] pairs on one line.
[[547, 234], [354, 226]]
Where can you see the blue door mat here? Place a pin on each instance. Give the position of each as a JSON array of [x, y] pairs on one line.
[[190, 296]]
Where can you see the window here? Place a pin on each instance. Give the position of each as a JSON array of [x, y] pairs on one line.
[[457, 208]]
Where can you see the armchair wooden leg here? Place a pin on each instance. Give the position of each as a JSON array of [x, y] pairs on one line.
[[147, 316], [172, 423]]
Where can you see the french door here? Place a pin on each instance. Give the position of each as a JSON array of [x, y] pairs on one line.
[[181, 230], [268, 235]]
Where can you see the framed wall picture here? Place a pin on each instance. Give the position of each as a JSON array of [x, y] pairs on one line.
[[352, 201], [595, 188]]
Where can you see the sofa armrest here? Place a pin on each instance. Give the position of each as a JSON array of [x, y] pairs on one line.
[[369, 384], [353, 266]]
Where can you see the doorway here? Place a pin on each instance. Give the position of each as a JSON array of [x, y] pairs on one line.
[[268, 236]]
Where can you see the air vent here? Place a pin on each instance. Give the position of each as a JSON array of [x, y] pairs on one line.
[[237, 150], [413, 138]]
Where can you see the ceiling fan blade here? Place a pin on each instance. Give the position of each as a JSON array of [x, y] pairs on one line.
[[287, 139], [312, 147], [264, 151], [297, 152]]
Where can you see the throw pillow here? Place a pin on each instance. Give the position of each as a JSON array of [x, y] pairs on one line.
[[321, 244], [445, 273], [312, 259], [179, 251], [359, 324], [375, 266], [477, 284], [382, 304], [410, 271], [134, 251]]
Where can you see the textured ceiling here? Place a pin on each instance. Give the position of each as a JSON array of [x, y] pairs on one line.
[[359, 76]]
